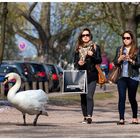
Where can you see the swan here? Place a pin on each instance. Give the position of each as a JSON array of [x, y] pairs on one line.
[[32, 102]]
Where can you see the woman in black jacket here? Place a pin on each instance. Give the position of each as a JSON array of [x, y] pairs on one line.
[[87, 55], [128, 57]]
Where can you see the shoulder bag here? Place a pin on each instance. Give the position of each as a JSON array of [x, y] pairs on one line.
[[114, 74], [101, 77]]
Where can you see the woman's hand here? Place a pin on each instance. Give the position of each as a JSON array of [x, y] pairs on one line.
[[127, 57], [80, 62], [121, 58], [90, 53]]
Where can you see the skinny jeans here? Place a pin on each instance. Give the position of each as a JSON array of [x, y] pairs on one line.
[[87, 102], [124, 84]]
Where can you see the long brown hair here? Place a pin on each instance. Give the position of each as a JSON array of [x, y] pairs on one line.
[[80, 41], [134, 47]]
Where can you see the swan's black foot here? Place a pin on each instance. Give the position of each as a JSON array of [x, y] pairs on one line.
[[35, 120], [24, 124], [34, 123]]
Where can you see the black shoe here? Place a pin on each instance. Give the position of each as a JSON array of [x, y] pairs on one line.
[[135, 123], [121, 122], [89, 120]]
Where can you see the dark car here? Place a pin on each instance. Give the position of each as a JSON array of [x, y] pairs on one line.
[[22, 68], [34, 73], [60, 74], [53, 77], [39, 76], [60, 70], [5, 69], [38, 71]]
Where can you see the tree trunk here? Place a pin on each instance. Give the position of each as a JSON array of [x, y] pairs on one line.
[[3, 26]]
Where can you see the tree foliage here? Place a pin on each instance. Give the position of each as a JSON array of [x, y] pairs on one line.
[[51, 27]]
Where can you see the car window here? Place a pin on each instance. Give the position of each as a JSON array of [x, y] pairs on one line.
[[2, 70], [8, 69], [51, 68], [37, 67], [60, 70]]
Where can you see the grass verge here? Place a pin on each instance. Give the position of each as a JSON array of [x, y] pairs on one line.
[[73, 99]]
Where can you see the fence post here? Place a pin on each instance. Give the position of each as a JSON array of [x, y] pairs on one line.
[[46, 87], [26, 84], [41, 85], [34, 85]]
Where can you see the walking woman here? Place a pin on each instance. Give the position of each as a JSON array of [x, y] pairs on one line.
[[87, 54], [128, 57]]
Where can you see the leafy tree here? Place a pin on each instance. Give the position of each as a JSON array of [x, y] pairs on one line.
[[11, 50], [51, 27], [122, 16]]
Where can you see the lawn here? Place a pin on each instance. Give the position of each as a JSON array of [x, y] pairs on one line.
[[71, 99]]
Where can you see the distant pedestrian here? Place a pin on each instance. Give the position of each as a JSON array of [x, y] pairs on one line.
[[105, 64], [87, 54], [128, 57]]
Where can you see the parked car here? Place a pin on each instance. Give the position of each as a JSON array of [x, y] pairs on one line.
[[37, 70], [22, 68], [5, 69], [60, 70], [32, 71], [53, 77], [60, 74]]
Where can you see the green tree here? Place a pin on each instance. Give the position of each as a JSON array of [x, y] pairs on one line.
[[50, 26], [10, 48]]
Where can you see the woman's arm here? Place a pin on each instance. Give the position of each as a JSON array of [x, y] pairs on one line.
[[118, 57], [96, 57]]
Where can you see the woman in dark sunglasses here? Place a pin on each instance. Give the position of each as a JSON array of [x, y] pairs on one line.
[[87, 54], [128, 57]]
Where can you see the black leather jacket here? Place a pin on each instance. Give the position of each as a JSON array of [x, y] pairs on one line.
[[90, 61], [133, 69]]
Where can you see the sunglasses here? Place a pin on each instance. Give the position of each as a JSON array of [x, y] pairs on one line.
[[128, 38], [83, 35]]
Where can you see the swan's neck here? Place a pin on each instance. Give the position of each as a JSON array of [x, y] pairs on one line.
[[13, 90]]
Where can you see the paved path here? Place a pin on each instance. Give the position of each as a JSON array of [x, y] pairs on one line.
[[65, 122]]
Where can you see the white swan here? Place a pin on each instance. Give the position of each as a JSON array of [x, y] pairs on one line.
[[32, 102]]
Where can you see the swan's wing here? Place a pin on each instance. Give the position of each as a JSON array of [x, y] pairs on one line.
[[32, 94], [31, 98]]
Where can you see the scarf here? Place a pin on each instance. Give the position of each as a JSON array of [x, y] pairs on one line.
[[84, 49]]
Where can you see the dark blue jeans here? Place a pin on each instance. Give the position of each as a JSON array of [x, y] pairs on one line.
[[124, 84], [87, 102]]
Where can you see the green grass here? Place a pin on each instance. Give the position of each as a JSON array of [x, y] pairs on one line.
[[71, 99]]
